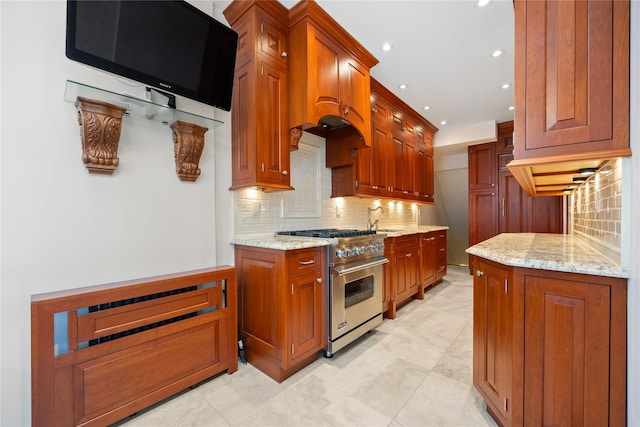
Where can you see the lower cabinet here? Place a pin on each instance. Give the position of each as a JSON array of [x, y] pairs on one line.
[[281, 298], [401, 273], [572, 329]]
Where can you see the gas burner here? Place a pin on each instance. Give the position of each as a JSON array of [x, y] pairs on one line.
[[329, 233]]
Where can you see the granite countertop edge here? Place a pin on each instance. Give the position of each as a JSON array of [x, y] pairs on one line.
[[554, 252], [271, 241]]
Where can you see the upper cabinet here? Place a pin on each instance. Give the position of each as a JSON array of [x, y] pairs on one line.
[[328, 76], [572, 90], [399, 162], [260, 133]]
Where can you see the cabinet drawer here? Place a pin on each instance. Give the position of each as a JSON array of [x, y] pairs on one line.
[[305, 261]]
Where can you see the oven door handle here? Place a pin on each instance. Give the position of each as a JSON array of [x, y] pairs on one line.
[[340, 271]]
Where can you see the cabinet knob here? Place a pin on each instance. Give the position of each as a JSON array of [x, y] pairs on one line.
[[319, 280], [284, 54], [285, 172], [345, 110], [479, 273]]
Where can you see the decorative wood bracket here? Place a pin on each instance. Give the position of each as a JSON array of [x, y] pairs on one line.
[[100, 125], [188, 143], [296, 134]]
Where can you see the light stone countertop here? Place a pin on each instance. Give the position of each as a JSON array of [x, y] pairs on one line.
[[412, 230], [271, 241], [556, 252]]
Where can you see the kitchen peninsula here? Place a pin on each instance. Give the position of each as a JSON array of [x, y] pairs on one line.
[[562, 301]]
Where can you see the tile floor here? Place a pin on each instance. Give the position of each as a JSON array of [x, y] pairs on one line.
[[415, 370]]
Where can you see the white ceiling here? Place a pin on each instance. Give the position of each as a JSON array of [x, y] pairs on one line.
[[441, 50]]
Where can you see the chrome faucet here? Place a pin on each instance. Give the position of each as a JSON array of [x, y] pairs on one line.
[[374, 224]]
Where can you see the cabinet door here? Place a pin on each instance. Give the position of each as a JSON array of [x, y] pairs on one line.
[[306, 315], [545, 215], [567, 352], [483, 215], [513, 204], [260, 287], [395, 172], [572, 65], [492, 336], [355, 98], [428, 258], [408, 167], [483, 169], [273, 146], [372, 164], [441, 265]]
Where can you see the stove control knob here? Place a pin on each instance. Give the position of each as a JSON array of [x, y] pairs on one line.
[[340, 253], [359, 250], [351, 251]]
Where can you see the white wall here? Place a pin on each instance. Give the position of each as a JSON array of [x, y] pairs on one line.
[[63, 227]]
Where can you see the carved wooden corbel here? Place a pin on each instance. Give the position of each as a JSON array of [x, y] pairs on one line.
[[100, 125], [188, 143], [296, 134]]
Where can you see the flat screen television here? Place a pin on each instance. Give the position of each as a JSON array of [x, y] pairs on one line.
[[169, 45]]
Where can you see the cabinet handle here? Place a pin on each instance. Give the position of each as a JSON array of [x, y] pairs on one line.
[[441, 249], [319, 280], [503, 206], [405, 192], [310, 262], [374, 110], [263, 167], [285, 172], [284, 54], [408, 255], [479, 273], [431, 238]]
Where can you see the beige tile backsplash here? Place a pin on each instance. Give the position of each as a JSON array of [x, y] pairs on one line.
[[310, 205], [596, 206]]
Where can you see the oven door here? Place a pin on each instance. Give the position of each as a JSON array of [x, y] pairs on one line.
[[355, 295]]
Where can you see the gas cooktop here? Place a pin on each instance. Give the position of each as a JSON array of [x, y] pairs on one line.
[[328, 233]]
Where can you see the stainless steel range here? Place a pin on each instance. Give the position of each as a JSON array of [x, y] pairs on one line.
[[354, 293]]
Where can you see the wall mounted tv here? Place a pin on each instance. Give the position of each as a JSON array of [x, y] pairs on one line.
[[169, 45]]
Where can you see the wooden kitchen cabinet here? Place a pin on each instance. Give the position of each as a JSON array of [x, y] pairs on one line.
[[399, 163], [329, 80], [441, 259], [428, 259], [549, 347], [497, 201], [281, 307], [401, 272], [571, 87], [260, 136], [493, 337]]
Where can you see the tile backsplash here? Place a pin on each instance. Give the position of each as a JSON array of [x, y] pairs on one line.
[[310, 205], [596, 206]]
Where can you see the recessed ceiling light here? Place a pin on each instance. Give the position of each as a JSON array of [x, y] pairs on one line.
[[443, 122], [497, 53], [427, 107], [505, 86], [386, 47], [511, 108], [403, 86], [587, 171], [483, 3]]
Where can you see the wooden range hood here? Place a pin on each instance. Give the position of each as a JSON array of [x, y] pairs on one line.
[[329, 78]]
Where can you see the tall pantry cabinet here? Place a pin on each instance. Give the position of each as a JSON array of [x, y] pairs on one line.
[[497, 203]]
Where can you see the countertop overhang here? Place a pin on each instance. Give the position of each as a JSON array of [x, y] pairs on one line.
[[556, 252]]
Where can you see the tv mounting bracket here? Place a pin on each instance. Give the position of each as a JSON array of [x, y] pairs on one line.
[[171, 99]]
